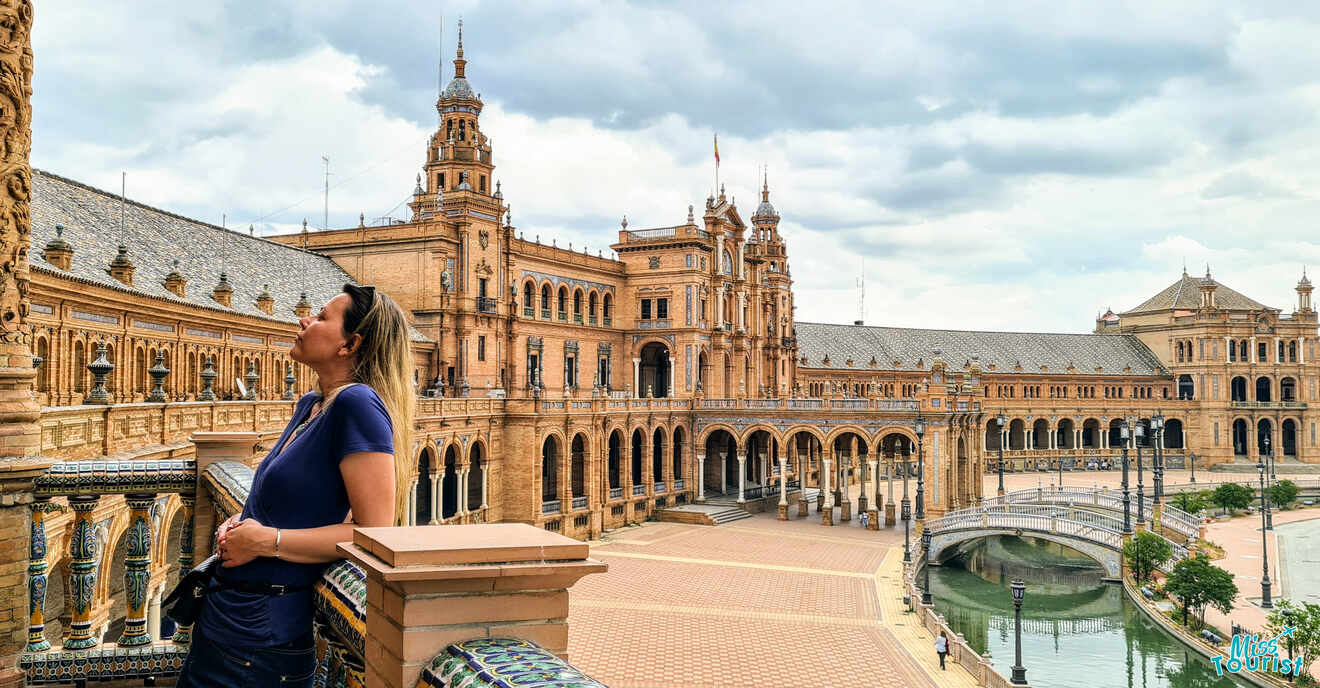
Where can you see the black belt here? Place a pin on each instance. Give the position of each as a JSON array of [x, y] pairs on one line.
[[257, 587]]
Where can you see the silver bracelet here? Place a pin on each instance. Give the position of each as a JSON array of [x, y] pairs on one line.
[[277, 543]]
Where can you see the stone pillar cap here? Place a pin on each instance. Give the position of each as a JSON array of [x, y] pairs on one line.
[[496, 543]]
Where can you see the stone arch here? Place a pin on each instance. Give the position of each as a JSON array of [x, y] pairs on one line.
[[449, 484], [1017, 434], [943, 545], [713, 428], [578, 303], [577, 465], [475, 478], [677, 449], [1066, 434], [529, 294], [593, 302], [550, 458], [547, 299], [636, 460], [720, 445], [1040, 434], [1174, 434], [424, 464], [614, 459], [658, 445], [1288, 430], [1091, 429], [1240, 436], [993, 436], [1264, 388], [755, 427], [1265, 436], [1288, 389], [561, 300]]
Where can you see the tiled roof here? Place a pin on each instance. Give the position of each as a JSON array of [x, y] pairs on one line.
[[1185, 294], [155, 238], [1005, 350]]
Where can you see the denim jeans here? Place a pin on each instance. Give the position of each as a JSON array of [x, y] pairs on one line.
[[211, 666]]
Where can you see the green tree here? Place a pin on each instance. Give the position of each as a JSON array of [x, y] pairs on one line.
[[1283, 492], [1196, 583], [1305, 640], [1231, 496], [1146, 552], [1191, 502]]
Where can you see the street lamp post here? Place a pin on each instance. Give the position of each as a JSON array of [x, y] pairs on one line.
[[1019, 677], [1265, 501], [1265, 602], [919, 426], [1157, 434], [907, 515], [1000, 419], [1127, 496], [1139, 434], [925, 572]]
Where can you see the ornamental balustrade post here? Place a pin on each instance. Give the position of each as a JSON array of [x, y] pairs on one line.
[[208, 376], [183, 634], [701, 479], [251, 379], [100, 368], [37, 567], [158, 373], [136, 576], [289, 382], [82, 571]]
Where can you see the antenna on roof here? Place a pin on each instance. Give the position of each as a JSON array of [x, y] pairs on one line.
[[123, 189], [440, 72], [326, 224], [861, 295], [224, 248]]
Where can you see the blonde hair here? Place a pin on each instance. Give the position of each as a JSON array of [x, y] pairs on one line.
[[385, 363]]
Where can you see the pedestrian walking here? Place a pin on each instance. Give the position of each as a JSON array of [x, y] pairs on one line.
[[942, 647]]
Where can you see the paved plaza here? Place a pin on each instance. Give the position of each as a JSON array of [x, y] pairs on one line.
[[762, 601]]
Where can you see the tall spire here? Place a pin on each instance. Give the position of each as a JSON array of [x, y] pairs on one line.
[[459, 62], [765, 184]]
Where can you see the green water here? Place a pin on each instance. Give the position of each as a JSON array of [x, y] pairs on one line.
[[1076, 629]]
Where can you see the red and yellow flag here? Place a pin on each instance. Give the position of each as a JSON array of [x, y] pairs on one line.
[[717, 149]]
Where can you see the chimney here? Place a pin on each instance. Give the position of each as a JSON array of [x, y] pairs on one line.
[[266, 302], [223, 293], [175, 281], [58, 251], [121, 268]]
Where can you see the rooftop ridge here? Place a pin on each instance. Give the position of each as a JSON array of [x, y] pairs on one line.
[[946, 329], [167, 213]]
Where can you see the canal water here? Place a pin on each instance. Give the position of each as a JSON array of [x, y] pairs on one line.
[[1076, 629]]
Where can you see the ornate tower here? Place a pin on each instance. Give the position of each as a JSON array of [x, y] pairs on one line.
[[776, 296], [459, 156], [1304, 295]]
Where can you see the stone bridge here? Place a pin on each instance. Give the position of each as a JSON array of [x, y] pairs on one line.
[[1078, 519], [1169, 518]]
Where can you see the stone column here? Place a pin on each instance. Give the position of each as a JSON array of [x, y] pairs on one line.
[[742, 471], [845, 504], [37, 577], [183, 634], [437, 479], [889, 503], [427, 588], [701, 479], [462, 492], [82, 572], [783, 483], [136, 575], [672, 389], [20, 434], [1252, 351], [485, 485], [637, 378], [873, 513], [153, 613], [803, 469], [827, 503]]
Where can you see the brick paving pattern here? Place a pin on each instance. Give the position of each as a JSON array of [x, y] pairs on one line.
[[756, 603]]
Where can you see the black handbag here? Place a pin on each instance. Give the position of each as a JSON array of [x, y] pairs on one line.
[[184, 603]]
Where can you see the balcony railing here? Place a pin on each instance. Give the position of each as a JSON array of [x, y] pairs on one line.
[[485, 304], [638, 490], [659, 488], [654, 324], [577, 318], [616, 493], [579, 503], [563, 315], [545, 313], [607, 321], [529, 312], [550, 507], [1268, 404], [592, 320], [678, 483]]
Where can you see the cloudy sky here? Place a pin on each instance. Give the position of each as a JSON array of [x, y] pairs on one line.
[[1005, 165]]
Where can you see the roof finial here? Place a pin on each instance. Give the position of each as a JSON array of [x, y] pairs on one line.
[[765, 184], [1207, 270], [624, 224], [459, 62], [1184, 266]]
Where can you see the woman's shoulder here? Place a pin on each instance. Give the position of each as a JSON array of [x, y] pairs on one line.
[[359, 396]]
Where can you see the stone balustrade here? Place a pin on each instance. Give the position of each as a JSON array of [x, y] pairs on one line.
[[420, 606]]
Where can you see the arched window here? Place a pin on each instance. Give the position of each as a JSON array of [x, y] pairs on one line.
[[1239, 388], [591, 307], [529, 299], [607, 308], [577, 306], [1292, 352], [545, 301], [1264, 387], [563, 303], [1186, 389], [1287, 389]]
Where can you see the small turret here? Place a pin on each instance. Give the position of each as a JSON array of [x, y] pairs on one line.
[[176, 282], [223, 293], [58, 251], [1304, 294], [121, 268]]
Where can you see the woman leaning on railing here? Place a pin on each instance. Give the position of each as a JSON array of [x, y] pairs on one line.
[[337, 457]]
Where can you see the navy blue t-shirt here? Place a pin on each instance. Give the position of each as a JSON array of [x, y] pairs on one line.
[[295, 487]]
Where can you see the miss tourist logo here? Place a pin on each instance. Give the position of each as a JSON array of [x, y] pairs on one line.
[[1251, 654]]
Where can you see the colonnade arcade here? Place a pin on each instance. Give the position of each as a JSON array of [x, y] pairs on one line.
[[638, 461], [458, 486], [1079, 435], [761, 462], [1278, 434]]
